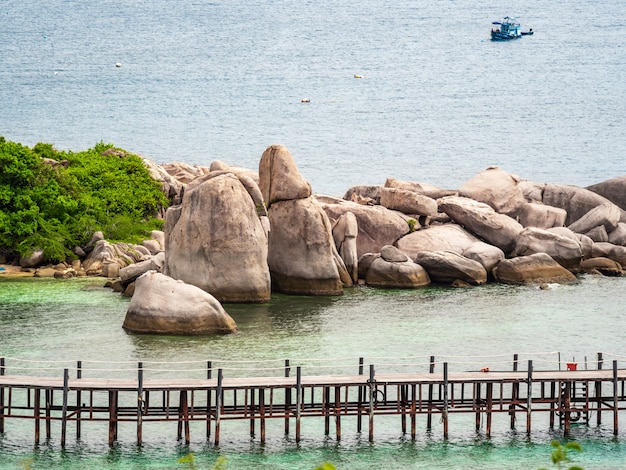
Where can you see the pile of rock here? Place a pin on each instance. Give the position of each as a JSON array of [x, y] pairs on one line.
[[234, 235]]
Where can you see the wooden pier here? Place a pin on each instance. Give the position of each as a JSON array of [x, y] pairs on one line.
[[564, 396]]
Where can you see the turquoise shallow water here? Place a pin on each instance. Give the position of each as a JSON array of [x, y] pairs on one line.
[[52, 320]]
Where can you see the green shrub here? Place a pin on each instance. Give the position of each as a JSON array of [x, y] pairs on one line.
[[58, 208]]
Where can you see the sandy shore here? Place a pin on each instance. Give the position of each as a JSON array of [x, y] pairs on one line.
[[10, 270]]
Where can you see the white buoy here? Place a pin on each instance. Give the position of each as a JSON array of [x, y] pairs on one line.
[[118, 64]]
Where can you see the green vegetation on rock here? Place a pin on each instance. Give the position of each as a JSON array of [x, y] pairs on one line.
[[57, 205]]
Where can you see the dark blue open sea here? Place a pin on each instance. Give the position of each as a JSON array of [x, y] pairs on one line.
[[436, 102]]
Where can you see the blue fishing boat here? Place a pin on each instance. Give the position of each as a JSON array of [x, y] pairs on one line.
[[505, 30]]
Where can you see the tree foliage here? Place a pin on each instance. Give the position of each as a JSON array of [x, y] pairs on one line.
[[56, 207]]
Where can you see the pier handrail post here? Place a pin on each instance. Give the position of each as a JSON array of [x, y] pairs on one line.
[[298, 400], [429, 418], [1, 397], [371, 381], [445, 400], [218, 406], [529, 397], [361, 399], [615, 399], [66, 378], [514, 391], [209, 370], [139, 403], [287, 396], [79, 375], [599, 391]]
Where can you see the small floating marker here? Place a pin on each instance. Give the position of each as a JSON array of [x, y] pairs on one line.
[[118, 64], [305, 100]]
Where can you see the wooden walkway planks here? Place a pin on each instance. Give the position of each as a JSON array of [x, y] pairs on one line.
[[568, 396]]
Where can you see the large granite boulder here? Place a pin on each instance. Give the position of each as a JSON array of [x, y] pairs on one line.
[[447, 237], [301, 249], [496, 188], [538, 268], [575, 200], [393, 269], [155, 263], [378, 226], [162, 305], [170, 187], [586, 243], [345, 232], [364, 194], [613, 189], [487, 255], [216, 241], [538, 215], [279, 178], [183, 172], [482, 220], [424, 189], [618, 236], [408, 202], [564, 250], [36, 258], [601, 265], [104, 254], [607, 215], [448, 267]]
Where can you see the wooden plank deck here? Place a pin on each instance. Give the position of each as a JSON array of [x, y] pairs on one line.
[[566, 396]]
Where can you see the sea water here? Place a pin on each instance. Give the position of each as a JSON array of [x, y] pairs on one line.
[[437, 101], [51, 324], [410, 89]]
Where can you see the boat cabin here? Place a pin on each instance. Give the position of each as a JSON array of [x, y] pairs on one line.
[[506, 29]]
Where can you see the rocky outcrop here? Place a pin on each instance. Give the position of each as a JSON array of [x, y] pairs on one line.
[[606, 215], [447, 237], [301, 249], [408, 202], [487, 255], [302, 256], [538, 215], [482, 220], [378, 226], [216, 241], [364, 194], [393, 269], [279, 178], [497, 188], [601, 265], [613, 189], [105, 254], [576, 201], [564, 250], [133, 271], [447, 267], [424, 189], [36, 258], [345, 232], [171, 188], [534, 269], [162, 305]]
